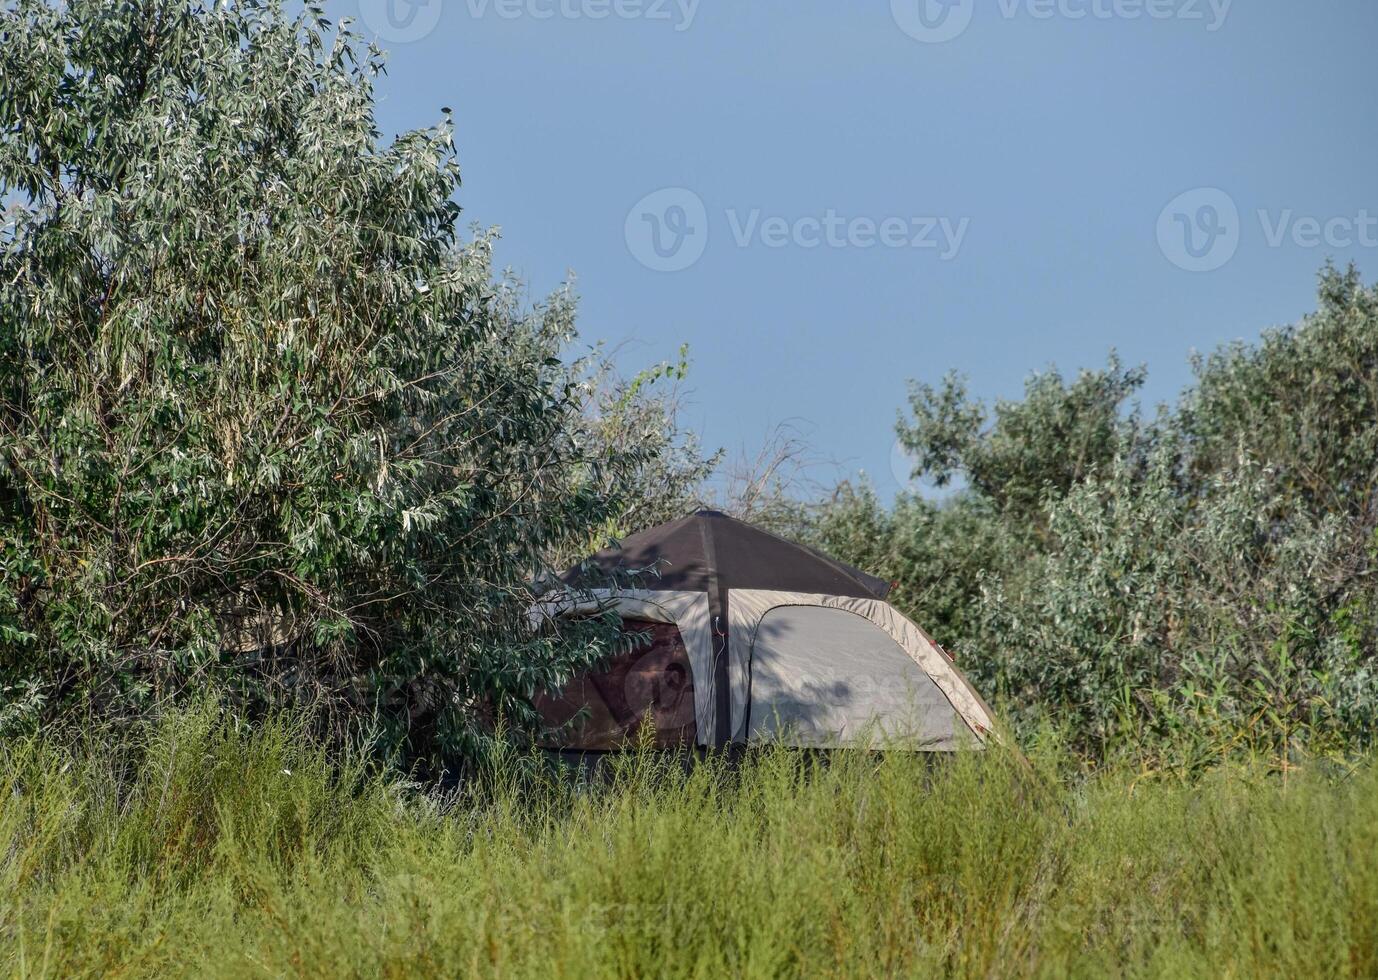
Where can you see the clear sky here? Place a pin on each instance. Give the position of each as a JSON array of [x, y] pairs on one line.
[[858, 193]]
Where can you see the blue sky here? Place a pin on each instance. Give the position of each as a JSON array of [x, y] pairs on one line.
[[855, 194]]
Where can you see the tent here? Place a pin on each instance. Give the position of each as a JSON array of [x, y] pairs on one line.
[[744, 637]]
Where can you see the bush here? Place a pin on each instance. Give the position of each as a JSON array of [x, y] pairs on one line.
[[1200, 580], [265, 424]]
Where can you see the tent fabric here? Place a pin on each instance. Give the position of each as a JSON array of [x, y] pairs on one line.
[[713, 553], [675, 557], [822, 676], [652, 682], [686, 610], [717, 579], [749, 606]]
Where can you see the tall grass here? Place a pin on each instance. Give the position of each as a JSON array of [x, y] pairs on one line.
[[211, 851]]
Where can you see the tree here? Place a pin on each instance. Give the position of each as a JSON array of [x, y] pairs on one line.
[[1055, 437], [1203, 578], [265, 423]]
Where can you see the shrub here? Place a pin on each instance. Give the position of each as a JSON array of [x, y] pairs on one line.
[[265, 424], [1201, 579]]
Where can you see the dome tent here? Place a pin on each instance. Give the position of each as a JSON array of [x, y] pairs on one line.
[[746, 637]]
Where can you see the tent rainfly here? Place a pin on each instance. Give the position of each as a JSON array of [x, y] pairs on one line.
[[748, 638]]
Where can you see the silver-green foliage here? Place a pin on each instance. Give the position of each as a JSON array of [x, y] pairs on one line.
[[1191, 579], [265, 422]]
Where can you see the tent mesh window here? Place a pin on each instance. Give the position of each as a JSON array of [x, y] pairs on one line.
[[650, 683]]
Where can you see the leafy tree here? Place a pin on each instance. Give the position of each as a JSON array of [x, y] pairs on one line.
[[1304, 398], [640, 415], [1205, 578], [265, 423], [1056, 436]]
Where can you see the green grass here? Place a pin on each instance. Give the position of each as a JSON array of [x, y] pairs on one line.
[[233, 854]]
